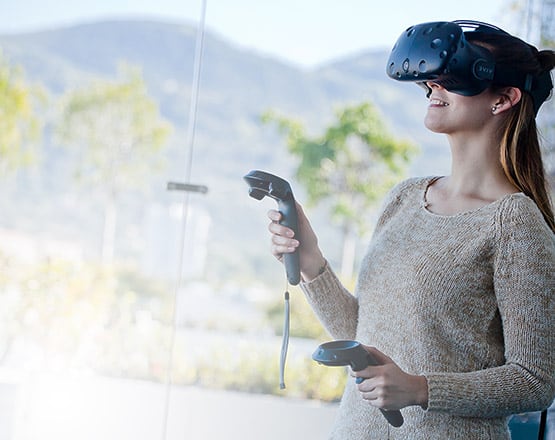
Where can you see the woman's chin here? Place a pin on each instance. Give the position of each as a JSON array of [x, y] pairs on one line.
[[433, 126]]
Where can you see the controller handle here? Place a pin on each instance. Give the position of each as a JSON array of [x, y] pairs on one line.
[[265, 184], [347, 352]]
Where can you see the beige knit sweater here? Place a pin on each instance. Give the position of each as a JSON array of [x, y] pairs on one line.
[[466, 300]]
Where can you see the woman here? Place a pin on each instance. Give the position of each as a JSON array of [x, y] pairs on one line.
[[455, 293]]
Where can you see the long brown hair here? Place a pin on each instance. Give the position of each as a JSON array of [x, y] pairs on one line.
[[520, 152]]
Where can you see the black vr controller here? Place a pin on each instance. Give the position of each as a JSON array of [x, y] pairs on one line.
[[352, 353], [265, 184]]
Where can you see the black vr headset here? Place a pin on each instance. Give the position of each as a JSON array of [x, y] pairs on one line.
[[439, 52]]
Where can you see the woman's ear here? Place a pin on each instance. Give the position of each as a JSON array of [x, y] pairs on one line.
[[507, 98]]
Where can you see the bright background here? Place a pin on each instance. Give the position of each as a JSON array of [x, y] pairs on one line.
[[305, 32], [82, 405]]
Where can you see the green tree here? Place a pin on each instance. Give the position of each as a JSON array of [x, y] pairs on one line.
[[352, 164], [119, 133], [20, 128]]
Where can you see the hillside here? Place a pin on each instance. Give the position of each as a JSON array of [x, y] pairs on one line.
[[237, 85]]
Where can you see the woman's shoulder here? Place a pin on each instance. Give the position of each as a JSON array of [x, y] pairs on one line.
[[518, 207], [517, 211], [405, 194], [409, 186]]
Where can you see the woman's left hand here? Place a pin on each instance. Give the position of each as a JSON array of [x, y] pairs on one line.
[[386, 386]]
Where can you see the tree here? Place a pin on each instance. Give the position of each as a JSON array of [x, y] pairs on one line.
[[119, 132], [352, 164], [20, 129]]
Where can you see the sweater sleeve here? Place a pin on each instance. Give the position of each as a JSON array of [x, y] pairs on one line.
[[334, 305], [336, 308], [524, 284]]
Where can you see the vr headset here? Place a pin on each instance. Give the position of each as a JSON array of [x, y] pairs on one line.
[[439, 52]]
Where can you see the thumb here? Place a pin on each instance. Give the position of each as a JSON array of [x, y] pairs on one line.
[[380, 357]]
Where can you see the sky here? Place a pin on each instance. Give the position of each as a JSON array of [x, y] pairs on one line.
[[304, 32]]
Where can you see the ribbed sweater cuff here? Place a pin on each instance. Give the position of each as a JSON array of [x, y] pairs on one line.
[[440, 393], [457, 395], [324, 283]]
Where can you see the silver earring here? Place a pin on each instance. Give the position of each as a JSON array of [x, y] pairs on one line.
[[494, 109]]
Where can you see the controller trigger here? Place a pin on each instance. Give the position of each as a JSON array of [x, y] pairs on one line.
[[256, 193]]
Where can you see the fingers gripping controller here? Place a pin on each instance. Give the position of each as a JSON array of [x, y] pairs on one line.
[[263, 184], [352, 353]]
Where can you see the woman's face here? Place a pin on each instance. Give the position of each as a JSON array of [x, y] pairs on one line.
[[450, 113]]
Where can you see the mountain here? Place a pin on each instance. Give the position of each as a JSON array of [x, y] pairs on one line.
[[236, 86]]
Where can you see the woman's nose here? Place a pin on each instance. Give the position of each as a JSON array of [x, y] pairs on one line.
[[434, 85]]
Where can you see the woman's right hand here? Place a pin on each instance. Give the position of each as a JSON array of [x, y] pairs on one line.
[[311, 260]]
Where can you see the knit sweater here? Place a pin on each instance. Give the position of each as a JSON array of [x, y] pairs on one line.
[[467, 300]]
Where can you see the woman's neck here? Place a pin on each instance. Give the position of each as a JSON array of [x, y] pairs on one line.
[[476, 169], [477, 178]]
